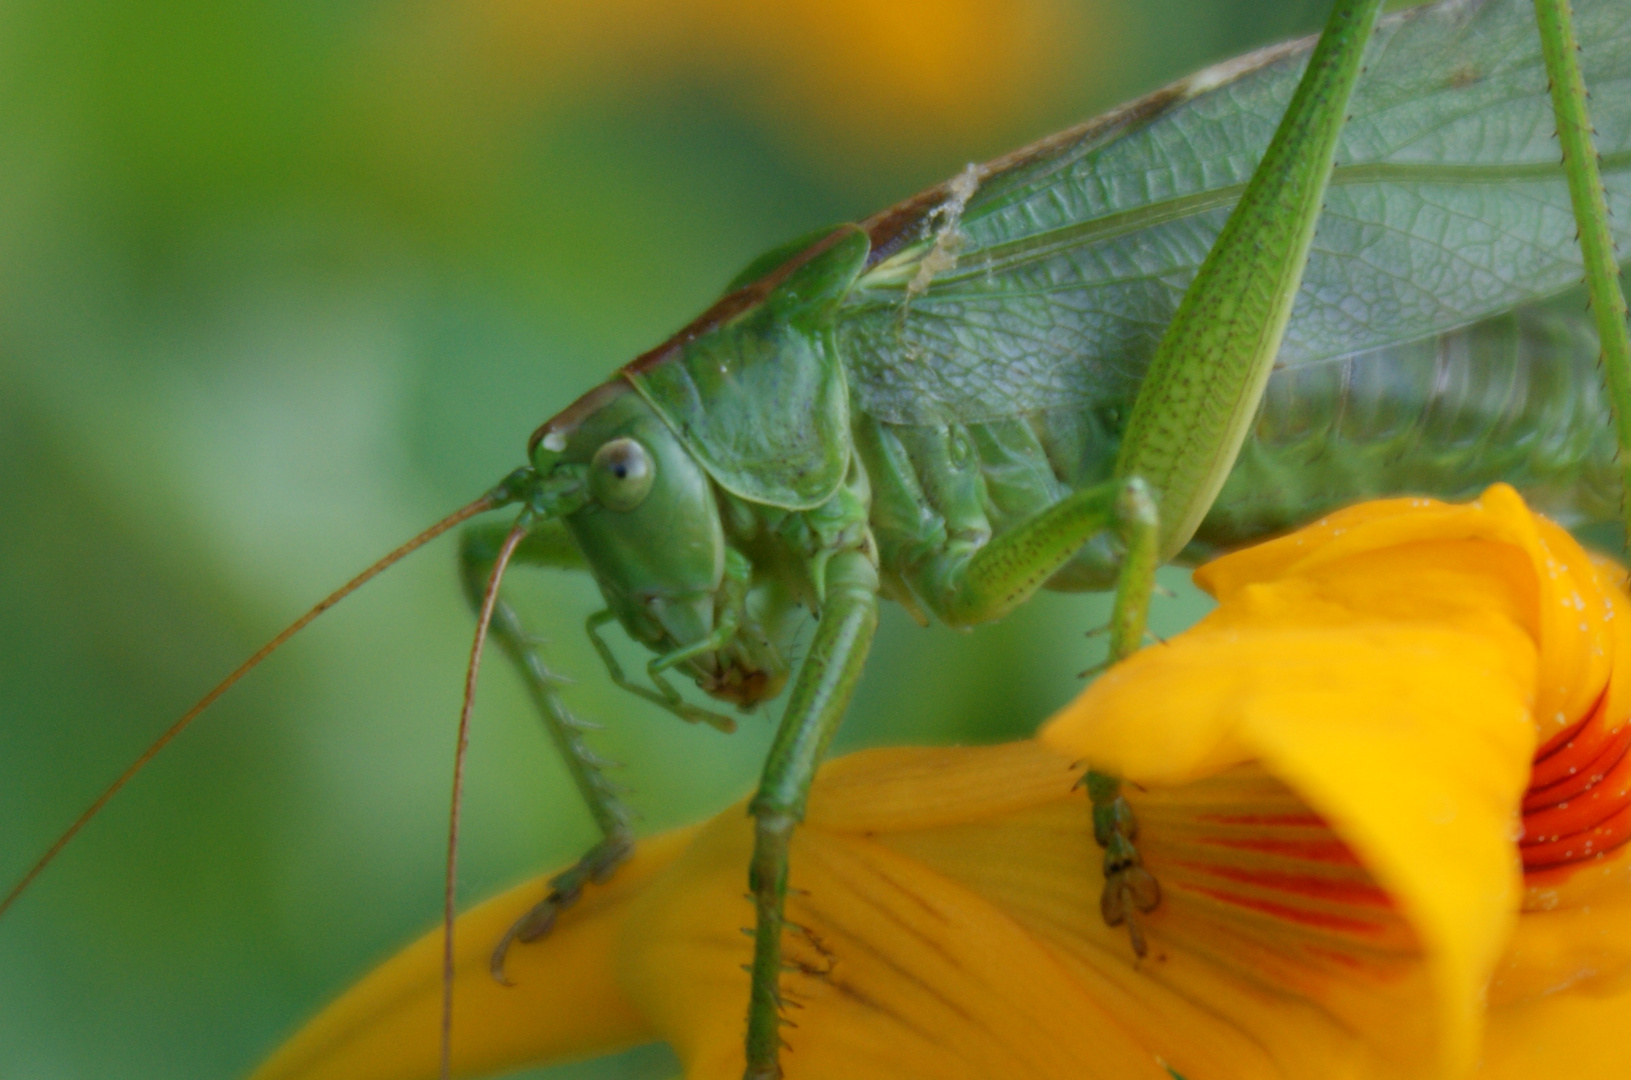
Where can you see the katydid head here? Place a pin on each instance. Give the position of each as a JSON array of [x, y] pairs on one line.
[[651, 531]]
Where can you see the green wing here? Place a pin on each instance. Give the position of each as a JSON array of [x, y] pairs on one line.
[[1044, 280]]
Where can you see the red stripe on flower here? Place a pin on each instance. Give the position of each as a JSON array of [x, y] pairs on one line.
[[1579, 801], [1313, 820], [1589, 844], [1321, 919], [1338, 890], [1564, 753], [1583, 777], [1328, 851], [1337, 956]]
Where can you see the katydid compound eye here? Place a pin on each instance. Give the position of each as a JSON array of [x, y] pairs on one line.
[[621, 474]]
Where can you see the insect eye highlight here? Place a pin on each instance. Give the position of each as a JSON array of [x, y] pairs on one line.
[[621, 474]]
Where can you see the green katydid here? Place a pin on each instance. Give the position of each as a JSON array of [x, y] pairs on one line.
[[933, 406]]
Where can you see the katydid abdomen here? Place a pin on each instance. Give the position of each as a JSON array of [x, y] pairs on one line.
[[1515, 398], [1518, 398], [1004, 320]]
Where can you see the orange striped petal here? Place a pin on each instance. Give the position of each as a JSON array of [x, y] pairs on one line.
[[895, 969], [932, 942], [1383, 664], [1412, 743], [1305, 971]]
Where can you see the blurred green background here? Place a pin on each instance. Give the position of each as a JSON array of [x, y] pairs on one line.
[[280, 283]]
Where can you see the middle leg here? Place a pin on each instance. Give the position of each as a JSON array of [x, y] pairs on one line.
[[1010, 568], [820, 697]]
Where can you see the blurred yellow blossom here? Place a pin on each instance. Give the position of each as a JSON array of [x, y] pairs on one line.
[[1382, 785], [893, 75], [850, 85]]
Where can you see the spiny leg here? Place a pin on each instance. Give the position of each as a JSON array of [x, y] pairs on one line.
[[820, 696], [1574, 136], [1129, 889], [1009, 569], [549, 545]]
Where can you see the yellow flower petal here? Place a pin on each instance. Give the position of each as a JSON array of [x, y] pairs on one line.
[[932, 942], [1242, 981], [1413, 744], [1557, 600], [914, 788], [565, 1001], [1384, 664], [1575, 1035], [897, 972], [1574, 935]]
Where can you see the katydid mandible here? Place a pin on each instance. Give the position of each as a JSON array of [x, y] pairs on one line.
[[933, 406]]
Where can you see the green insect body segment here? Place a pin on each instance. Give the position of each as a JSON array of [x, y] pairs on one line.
[[1216, 313], [761, 400], [987, 395], [721, 483]]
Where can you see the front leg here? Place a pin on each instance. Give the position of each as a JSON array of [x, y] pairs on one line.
[[549, 545], [820, 697], [738, 576]]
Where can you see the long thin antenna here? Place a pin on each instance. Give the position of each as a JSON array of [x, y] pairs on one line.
[[487, 502], [489, 601]]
